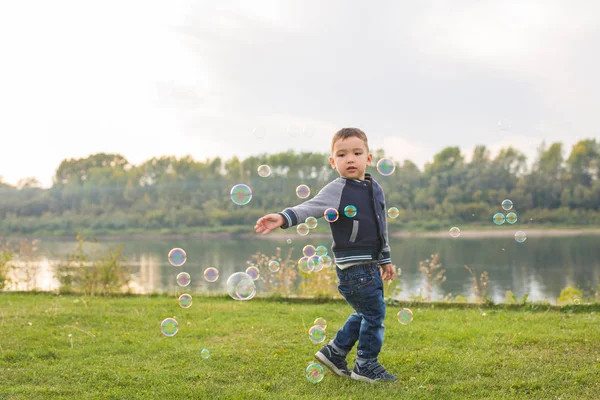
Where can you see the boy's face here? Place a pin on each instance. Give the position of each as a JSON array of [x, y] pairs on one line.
[[350, 157]]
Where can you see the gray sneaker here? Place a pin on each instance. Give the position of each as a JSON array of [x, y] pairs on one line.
[[333, 360], [372, 372]]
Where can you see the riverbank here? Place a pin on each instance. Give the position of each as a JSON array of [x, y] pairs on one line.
[[244, 232]]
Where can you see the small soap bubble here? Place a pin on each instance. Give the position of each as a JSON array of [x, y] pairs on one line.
[[386, 166], [259, 132], [511, 218], [169, 327], [316, 334], [504, 125], [498, 218], [405, 316], [321, 250], [316, 263], [177, 257], [393, 212], [241, 194], [315, 373], [205, 354], [185, 300], [311, 222], [520, 236], [576, 301], [331, 215], [211, 274], [325, 261], [253, 271], [289, 241], [293, 131], [264, 171], [274, 266], [350, 211], [321, 322], [507, 204], [183, 279], [302, 229], [240, 286], [304, 265], [309, 250], [302, 191], [454, 232]]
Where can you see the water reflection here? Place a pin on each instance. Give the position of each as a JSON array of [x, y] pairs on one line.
[[541, 267]]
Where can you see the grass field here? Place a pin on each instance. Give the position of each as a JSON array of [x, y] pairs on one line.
[[112, 348]]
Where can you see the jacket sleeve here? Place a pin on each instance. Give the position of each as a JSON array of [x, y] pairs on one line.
[[329, 196], [385, 257]]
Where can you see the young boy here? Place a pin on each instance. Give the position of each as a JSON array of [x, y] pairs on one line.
[[362, 254]]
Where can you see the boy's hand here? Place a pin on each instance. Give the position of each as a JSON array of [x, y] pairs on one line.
[[267, 223], [388, 272]]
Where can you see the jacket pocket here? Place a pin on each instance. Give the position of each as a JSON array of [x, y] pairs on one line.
[[354, 231]]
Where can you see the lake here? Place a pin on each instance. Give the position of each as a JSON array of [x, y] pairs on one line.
[[541, 266]]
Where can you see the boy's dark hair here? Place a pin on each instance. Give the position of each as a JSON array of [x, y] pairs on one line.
[[345, 133]]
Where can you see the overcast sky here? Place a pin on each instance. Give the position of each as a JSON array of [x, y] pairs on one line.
[[223, 78]]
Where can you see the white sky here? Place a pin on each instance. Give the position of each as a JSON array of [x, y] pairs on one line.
[[152, 78]]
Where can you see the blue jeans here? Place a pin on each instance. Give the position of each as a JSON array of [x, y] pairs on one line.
[[362, 287]]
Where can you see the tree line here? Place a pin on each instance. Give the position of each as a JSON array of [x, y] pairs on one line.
[[105, 192]]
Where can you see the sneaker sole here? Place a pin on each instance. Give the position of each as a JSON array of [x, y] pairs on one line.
[[321, 357], [362, 378]]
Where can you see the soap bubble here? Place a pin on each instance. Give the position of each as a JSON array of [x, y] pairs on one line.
[[205, 353], [264, 171], [325, 261], [331, 215], [241, 194], [405, 316], [183, 279], [240, 286], [177, 257], [309, 250], [321, 322], [393, 212], [169, 327], [454, 232], [259, 132], [274, 266], [350, 211], [386, 166], [315, 373], [253, 271], [304, 265], [185, 300], [321, 250], [520, 236], [316, 262], [316, 334], [302, 229], [289, 241], [211, 274], [511, 218], [498, 218], [302, 191], [507, 204], [311, 222]]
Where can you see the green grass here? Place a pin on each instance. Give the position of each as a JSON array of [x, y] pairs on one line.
[[260, 349]]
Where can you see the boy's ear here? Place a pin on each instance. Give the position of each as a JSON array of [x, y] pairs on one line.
[[369, 158], [331, 162]]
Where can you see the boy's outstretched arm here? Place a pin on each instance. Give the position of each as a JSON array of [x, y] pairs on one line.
[[267, 223]]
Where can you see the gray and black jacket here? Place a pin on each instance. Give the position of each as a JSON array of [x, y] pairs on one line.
[[362, 238]]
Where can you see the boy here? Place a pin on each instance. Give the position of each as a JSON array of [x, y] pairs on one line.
[[361, 248]]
